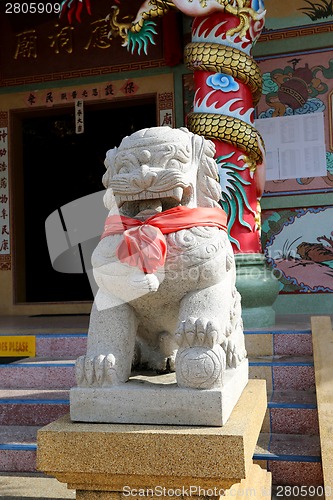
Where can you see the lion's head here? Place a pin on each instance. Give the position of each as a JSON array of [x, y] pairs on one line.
[[159, 168]]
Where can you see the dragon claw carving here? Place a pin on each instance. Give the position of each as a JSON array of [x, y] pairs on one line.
[[151, 9]]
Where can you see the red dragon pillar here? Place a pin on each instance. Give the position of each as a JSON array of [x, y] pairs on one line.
[[227, 85]]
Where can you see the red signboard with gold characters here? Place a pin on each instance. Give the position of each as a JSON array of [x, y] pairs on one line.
[[39, 44]]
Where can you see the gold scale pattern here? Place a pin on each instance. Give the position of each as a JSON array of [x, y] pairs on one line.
[[231, 61], [228, 60], [227, 129]]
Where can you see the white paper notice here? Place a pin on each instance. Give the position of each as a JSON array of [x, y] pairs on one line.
[[295, 146]]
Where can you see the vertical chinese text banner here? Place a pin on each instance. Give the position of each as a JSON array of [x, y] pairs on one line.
[[4, 194]]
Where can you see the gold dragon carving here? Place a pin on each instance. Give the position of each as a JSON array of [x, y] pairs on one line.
[[157, 8]]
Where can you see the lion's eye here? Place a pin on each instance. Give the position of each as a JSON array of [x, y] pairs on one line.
[[125, 166], [125, 169], [125, 163]]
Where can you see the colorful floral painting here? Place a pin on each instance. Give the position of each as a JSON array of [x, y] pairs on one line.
[[298, 244]]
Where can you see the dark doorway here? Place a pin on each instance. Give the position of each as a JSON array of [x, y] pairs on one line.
[[60, 166]]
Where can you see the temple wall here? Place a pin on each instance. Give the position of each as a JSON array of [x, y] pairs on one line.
[[294, 52]]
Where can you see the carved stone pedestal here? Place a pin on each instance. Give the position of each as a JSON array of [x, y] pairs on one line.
[[159, 400], [114, 461]]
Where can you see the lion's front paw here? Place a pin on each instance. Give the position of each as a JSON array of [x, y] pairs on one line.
[[96, 371], [200, 360], [198, 332]]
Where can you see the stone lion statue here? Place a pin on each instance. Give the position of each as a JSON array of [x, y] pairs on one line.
[[164, 266]]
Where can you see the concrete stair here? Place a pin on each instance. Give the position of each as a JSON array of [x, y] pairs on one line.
[[289, 445], [34, 392]]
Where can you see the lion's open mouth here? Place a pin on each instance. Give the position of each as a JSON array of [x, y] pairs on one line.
[[146, 203]]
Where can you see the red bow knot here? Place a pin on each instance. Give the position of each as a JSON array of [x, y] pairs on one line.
[[144, 244], [144, 247]]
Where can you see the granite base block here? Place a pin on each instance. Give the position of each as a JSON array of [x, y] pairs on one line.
[[107, 457], [151, 400]]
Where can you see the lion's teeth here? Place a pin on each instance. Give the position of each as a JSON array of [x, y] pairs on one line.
[[176, 193]]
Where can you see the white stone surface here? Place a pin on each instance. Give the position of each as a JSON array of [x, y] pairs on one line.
[[158, 400]]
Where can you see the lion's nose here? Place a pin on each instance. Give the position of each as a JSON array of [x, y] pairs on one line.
[[144, 178]]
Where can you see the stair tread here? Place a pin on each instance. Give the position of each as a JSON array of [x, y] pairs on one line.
[[286, 329], [25, 325], [35, 373], [75, 334], [292, 398], [19, 434], [36, 361], [27, 486], [288, 445], [281, 360], [38, 395]]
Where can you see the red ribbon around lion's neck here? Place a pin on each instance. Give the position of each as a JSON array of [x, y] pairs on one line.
[[144, 244]]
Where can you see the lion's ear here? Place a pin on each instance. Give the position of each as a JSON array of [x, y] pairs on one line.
[[110, 166]]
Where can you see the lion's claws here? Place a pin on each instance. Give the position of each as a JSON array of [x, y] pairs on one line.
[[98, 371], [197, 332]]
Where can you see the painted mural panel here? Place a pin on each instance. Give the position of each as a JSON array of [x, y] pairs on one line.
[[298, 243], [297, 13], [297, 84]]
